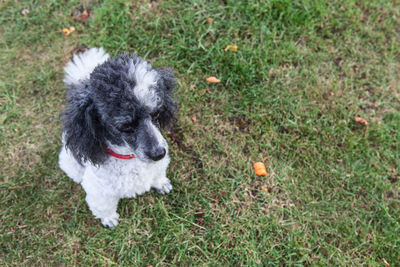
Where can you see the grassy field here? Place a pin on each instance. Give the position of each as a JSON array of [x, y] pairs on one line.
[[288, 97]]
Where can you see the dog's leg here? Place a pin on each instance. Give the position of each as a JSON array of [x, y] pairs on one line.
[[102, 203], [104, 208], [162, 185]]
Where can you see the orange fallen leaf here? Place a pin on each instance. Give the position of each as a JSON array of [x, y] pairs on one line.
[[210, 20], [68, 31], [361, 120], [213, 79], [265, 189], [231, 47], [260, 169]]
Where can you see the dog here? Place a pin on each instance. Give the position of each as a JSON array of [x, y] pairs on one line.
[[111, 142]]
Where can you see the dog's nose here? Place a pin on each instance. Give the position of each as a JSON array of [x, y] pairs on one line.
[[157, 154]]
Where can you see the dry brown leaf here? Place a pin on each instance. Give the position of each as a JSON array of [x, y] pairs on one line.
[[210, 20], [361, 120], [339, 61], [80, 49], [211, 244], [205, 91], [199, 214], [213, 79], [82, 17], [194, 119], [385, 262]]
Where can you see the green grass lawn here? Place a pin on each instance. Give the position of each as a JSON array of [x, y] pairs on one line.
[[288, 97]]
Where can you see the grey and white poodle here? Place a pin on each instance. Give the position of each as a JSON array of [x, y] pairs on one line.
[[112, 144]]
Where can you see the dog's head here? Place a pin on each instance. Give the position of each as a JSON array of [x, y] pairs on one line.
[[125, 102]]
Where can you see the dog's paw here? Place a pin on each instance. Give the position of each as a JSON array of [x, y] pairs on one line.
[[111, 221], [165, 188]]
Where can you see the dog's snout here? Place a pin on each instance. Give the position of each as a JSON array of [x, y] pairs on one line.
[[157, 153]]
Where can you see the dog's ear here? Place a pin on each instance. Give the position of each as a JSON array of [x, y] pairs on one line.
[[168, 77], [83, 133], [169, 108]]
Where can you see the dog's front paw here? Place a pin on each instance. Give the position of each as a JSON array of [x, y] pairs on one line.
[[111, 221], [165, 188]]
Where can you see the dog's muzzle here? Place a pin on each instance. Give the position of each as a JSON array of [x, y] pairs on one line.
[[156, 153]]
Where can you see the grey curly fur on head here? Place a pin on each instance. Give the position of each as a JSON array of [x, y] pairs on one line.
[[113, 104]]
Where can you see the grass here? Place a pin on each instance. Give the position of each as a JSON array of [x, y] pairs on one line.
[[288, 97]]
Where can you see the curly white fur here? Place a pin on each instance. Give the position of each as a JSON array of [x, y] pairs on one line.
[[106, 184], [83, 64]]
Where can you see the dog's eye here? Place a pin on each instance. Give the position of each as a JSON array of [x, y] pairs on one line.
[[155, 118], [127, 128], [155, 115]]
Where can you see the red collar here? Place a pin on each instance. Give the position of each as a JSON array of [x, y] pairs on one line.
[[119, 156]]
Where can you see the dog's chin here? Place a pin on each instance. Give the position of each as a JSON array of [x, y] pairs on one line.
[[142, 157], [127, 149]]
